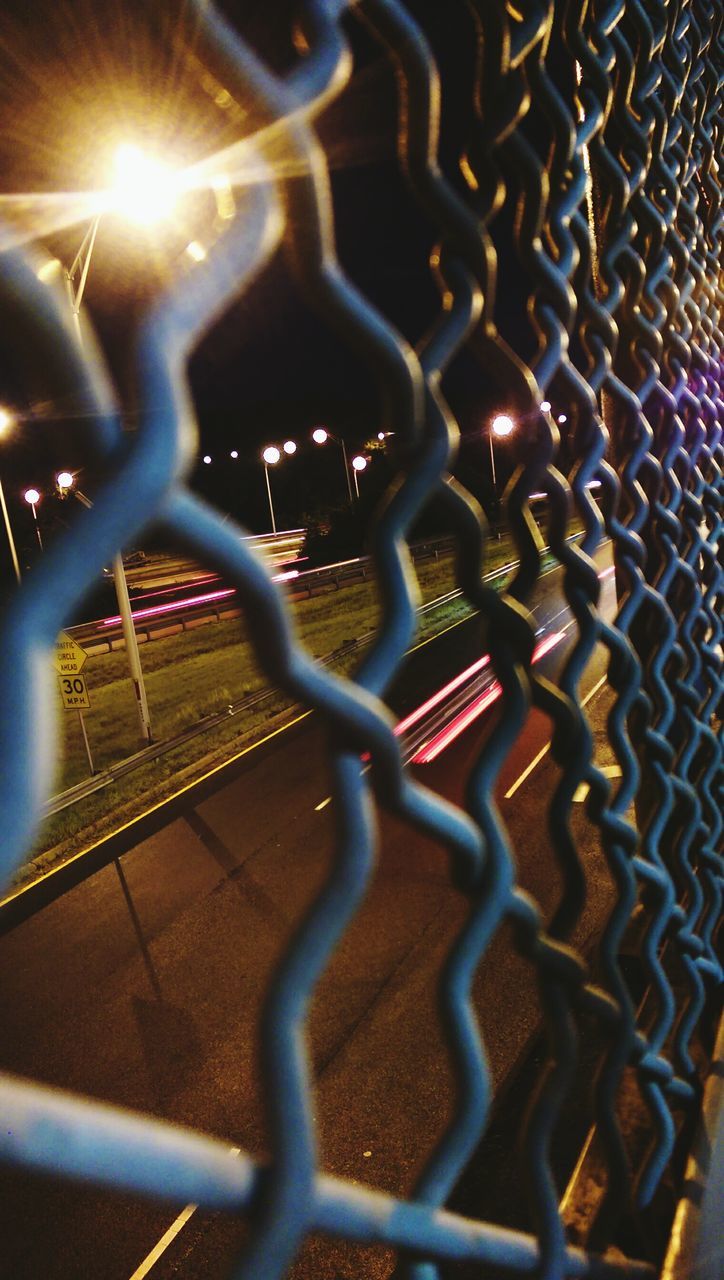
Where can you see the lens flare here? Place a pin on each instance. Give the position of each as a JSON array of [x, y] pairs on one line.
[[143, 189]]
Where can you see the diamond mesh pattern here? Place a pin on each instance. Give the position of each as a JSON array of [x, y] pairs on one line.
[[602, 123]]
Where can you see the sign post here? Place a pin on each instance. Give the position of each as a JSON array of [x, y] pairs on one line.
[[70, 658]]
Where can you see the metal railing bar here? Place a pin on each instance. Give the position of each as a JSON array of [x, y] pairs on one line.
[[59, 1133]]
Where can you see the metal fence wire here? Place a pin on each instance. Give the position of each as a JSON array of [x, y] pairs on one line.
[[600, 123]]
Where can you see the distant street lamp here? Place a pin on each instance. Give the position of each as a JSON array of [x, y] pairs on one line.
[[289, 447], [320, 435], [501, 426], [6, 421], [358, 464], [270, 457], [32, 497]]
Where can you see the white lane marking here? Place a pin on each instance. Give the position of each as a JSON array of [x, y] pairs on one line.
[[169, 1236], [328, 799], [164, 1242], [533, 764], [571, 1188], [608, 771], [595, 689], [527, 771]]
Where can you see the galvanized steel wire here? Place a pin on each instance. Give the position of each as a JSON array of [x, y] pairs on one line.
[[616, 188]]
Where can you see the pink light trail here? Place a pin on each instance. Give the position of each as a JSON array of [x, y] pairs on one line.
[[432, 749]]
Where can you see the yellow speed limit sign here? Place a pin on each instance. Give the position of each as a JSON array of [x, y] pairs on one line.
[[74, 693]]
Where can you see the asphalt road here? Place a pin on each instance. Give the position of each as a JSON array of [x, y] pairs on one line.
[[217, 894]]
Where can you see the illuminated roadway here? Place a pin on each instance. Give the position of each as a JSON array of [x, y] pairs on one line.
[[217, 894]]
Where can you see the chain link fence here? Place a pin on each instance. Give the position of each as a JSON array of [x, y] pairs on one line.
[[588, 187]]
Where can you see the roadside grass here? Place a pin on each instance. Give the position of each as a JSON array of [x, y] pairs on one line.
[[197, 673]]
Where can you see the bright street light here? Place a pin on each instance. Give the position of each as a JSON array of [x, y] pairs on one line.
[[206, 458], [6, 422], [320, 436], [234, 453], [289, 447], [270, 457], [501, 426], [545, 406], [562, 418], [358, 464], [65, 479], [32, 497], [143, 189]]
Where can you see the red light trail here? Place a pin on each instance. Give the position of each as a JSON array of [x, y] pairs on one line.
[[436, 745]]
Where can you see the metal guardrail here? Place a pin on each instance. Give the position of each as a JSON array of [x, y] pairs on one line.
[[599, 127]]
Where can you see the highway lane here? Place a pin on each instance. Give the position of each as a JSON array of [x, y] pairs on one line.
[[179, 594], [217, 894]]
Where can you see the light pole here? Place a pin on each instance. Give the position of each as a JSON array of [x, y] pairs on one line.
[[65, 481], [270, 457], [501, 426], [144, 191], [358, 464], [32, 497], [320, 435], [5, 423]]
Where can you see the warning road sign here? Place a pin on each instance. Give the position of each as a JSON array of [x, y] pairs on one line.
[[70, 658], [74, 692]]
